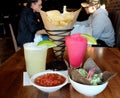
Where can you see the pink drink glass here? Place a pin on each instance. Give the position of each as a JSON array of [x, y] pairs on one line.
[[76, 46]]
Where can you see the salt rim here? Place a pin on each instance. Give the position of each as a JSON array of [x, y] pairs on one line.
[[34, 46]]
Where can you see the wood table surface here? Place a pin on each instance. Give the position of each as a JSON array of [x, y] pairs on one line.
[[11, 76]]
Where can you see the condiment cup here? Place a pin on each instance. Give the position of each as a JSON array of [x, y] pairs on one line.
[[45, 88]]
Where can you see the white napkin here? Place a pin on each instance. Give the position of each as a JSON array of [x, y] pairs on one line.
[[38, 38], [26, 79]]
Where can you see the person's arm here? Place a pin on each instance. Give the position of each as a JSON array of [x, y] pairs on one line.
[[85, 22], [41, 32], [98, 25]]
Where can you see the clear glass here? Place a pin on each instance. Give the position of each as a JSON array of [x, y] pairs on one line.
[[35, 58]]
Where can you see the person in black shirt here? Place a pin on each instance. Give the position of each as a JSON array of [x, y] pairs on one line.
[[30, 23]]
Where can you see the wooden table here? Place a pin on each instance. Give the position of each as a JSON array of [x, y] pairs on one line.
[[11, 76]]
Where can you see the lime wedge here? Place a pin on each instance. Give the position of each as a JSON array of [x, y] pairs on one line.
[[49, 43], [90, 39]]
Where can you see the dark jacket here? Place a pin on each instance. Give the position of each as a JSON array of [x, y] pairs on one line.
[[29, 23]]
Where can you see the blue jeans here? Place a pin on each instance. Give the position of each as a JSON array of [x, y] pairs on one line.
[[45, 37]]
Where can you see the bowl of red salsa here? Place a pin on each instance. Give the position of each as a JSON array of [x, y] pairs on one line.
[[49, 81]]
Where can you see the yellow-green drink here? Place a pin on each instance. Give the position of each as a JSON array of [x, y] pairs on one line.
[[35, 58]]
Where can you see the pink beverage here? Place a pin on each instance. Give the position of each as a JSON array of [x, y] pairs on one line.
[[76, 46]]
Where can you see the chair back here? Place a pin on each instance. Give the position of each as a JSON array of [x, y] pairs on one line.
[[13, 38], [115, 19]]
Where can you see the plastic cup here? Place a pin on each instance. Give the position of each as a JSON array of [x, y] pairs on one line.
[[35, 58], [76, 46]]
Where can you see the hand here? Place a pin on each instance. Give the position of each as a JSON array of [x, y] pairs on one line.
[[41, 32]]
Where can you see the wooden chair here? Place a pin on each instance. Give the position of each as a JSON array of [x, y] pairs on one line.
[[115, 19], [118, 41], [13, 38]]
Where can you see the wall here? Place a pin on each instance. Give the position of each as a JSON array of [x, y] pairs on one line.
[[113, 5]]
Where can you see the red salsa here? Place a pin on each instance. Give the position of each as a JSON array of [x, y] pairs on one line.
[[50, 79]]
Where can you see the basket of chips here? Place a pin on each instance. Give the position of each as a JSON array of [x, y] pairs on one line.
[[58, 25]]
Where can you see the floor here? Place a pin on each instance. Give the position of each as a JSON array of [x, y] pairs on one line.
[[6, 47]]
